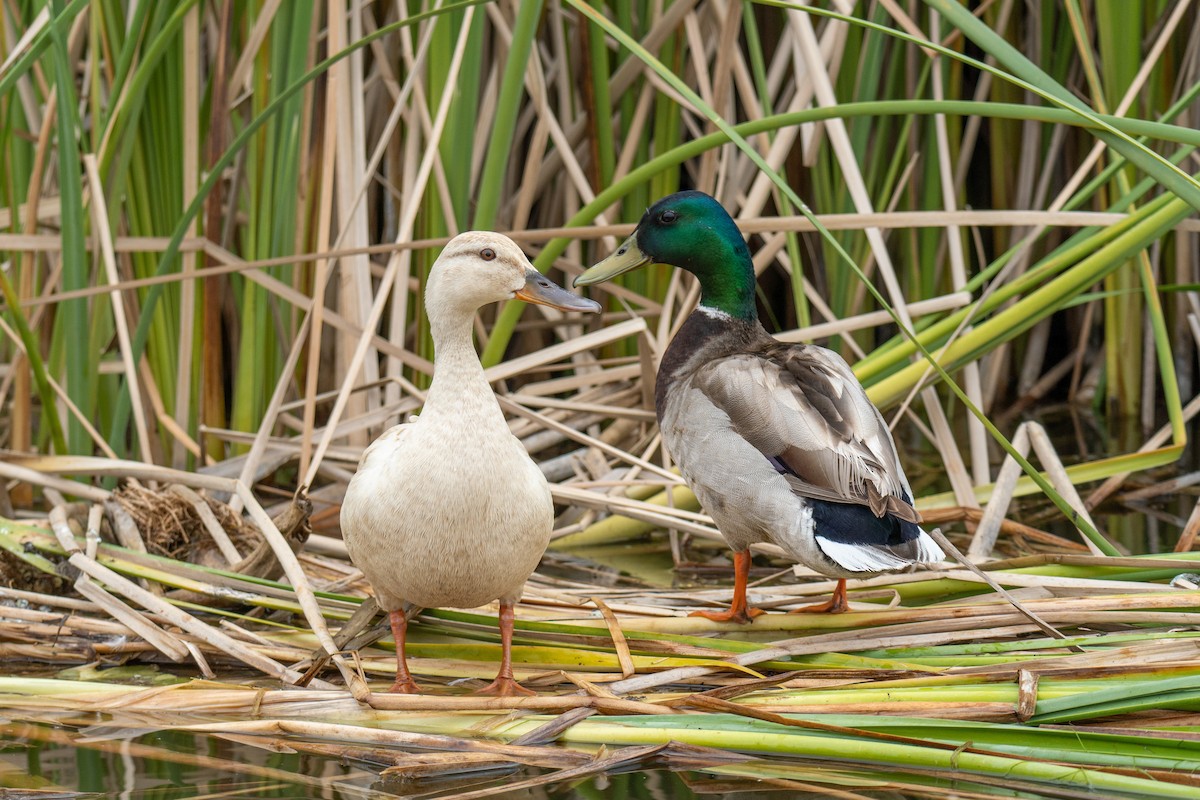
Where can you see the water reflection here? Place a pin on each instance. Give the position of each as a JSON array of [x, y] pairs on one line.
[[69, 762]]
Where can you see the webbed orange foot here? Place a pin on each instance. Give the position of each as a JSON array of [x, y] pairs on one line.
[[405, 685], [740, 616], [505, 686], [835, 605], [740, 612]]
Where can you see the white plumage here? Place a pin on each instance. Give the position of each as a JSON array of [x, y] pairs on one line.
[[448, 509]]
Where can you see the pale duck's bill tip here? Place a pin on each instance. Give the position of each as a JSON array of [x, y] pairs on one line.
[[626, 257], [541, 290]]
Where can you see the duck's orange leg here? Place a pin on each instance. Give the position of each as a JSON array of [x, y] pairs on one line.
[[835, 605], [404, 681], [739, 611], [505, 685]]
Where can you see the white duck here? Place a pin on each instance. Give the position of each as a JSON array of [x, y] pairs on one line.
[[449, 509]]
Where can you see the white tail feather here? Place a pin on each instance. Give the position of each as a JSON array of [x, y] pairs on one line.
[[928, 551], [860, 558]]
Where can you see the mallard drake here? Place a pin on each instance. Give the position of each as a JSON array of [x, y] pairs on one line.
[[448, 509], [778, 441]]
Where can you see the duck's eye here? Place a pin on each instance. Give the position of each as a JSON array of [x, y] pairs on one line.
[[668, 216], [487, 254]]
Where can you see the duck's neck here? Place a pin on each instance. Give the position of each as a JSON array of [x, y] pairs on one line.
[[727, 279], [459, 387]]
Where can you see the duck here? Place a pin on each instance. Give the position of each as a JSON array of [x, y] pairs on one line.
[[448, 509], [778, 441]]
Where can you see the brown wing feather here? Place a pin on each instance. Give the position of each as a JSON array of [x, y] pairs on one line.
[[802, 406]]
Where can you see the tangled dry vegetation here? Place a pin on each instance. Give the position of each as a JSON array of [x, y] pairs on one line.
[[928, 671]]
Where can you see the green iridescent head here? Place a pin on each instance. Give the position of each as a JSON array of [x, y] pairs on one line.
[[689, 230]]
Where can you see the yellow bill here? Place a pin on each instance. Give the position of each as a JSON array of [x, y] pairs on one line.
[[626, 257]]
